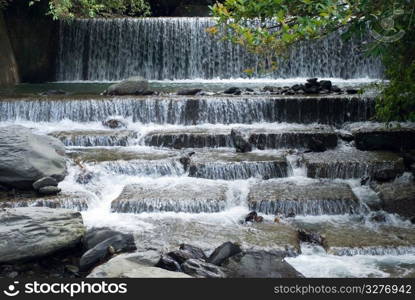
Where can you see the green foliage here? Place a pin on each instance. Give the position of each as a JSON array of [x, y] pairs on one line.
[[391, 23], [68, 9]]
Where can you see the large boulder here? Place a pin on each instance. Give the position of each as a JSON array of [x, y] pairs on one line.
[[26, 157], [123, 266], [259, 264], [33, 232], [223, 252], [200, 269], [131, 86], [104, 250]]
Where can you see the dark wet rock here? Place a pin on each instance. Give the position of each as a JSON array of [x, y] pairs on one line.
[[223, 252], [259, 264], [336, 89], [233, 91], [394, 139], [240, 141], [251, 216], [200, 269], [186, 160], [146, 93], [114, 124], [312, 81], [196, 252], [85, 177], [312, 89], [49, 190], [316, 145], [180, 256], [94, 236], [314, 198], [189, 92], [26, 157], [268, 88], [310, 237], [346, 136], [397, 198], [326, 84], [249, 90], [378, 217], [297, 87], [131, 86], [44, 182], [352, 91], [104, 250], [168, 263], [33, 232]]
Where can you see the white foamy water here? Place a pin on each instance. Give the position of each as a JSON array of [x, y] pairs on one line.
[[315, 262]]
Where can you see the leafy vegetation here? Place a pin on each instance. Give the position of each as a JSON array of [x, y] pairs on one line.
[[67, 9], [270, 27]]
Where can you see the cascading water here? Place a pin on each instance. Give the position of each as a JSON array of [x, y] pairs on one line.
[[172, 174], [180, 48]]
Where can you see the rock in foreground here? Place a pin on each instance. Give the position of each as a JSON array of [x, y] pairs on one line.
[[123, 267], [26, 157], [30, 232]]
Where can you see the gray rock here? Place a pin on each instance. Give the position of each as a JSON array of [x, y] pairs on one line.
[[34, 232], [195, 251], [259, 264], [168, 263], [223, 252], [131, 86], [189, 92], [95, 236], [123, 267], [116, 244], [44, 182], [240, 141], [26, 157], [200, 269], [49, 190], [180, 256]]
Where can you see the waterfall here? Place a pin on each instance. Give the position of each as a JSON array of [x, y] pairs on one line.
[[180, 48], [212, 110]]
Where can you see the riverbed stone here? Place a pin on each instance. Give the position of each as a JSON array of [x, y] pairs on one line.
[[49, 190], [287, 198], [201, 269], [259, 264], [116, 244], [131, 86], [195, 196], [94, 236], [123, 266], [44, 182], [26, 157], [33, 232], [223, 252]]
